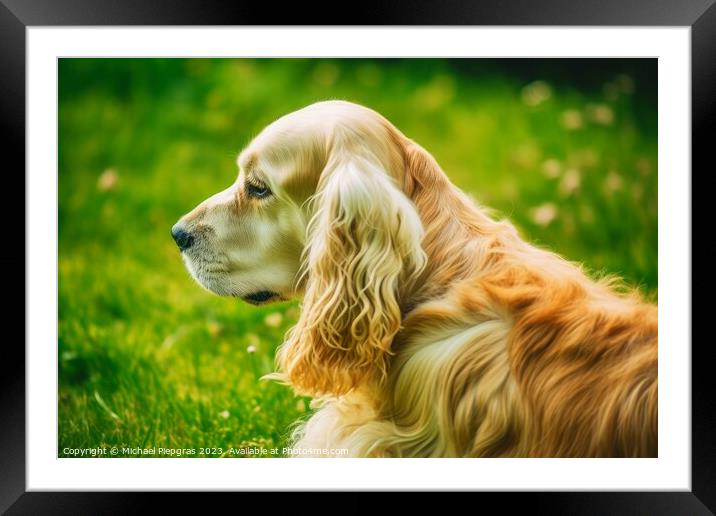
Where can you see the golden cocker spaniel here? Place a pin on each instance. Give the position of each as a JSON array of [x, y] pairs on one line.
[[427, 328]]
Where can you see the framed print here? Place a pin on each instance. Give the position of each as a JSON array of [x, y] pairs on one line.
[[454, 233]]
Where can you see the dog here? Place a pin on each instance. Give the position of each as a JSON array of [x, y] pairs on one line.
[[427, 328]]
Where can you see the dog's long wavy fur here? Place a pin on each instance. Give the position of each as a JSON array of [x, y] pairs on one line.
[[430, 329]]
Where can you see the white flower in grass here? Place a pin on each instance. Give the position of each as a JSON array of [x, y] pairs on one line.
[[214, 328], [570, 182], [543, 215], [600, 114], [535, 93], [552, 168], [613, 182], [224, 414], [108, 180], [273, 320], [251, 349], [572, 120]]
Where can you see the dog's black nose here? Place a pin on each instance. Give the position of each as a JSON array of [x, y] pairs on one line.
[[183, 238]]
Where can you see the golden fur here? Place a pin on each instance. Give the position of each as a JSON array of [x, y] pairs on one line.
[[427, 328]]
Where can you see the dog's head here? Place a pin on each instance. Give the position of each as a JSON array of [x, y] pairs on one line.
[[318, 210]]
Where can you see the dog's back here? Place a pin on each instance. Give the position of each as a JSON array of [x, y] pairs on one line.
[[528, 355]]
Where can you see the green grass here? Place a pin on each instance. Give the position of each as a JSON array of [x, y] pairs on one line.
[[149, 359]]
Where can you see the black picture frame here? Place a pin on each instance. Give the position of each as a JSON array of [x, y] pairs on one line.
[[17, 15]]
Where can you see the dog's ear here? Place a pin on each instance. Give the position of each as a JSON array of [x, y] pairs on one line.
[[364, 247]]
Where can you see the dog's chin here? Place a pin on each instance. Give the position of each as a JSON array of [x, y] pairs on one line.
[[263, 297], [220, 285]]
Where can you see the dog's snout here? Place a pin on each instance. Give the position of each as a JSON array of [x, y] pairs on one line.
[[182, 237]]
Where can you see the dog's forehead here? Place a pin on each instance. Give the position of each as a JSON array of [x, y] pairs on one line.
[[294, 130], [246, 159], [260, 159], [297, 145], [282, 142], [269, 162]]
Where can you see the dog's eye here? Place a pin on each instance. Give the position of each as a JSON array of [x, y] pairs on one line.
[[257, 191]]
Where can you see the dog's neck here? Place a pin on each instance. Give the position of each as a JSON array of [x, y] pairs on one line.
[[455, 228]]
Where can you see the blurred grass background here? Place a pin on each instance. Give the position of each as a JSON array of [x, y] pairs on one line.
[[566, 149]]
